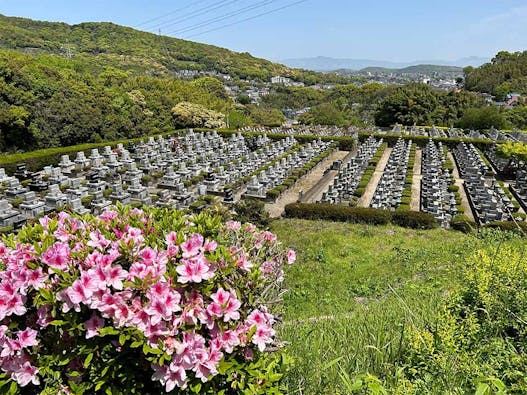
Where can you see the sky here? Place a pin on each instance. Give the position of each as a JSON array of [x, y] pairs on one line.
[[399, 31]]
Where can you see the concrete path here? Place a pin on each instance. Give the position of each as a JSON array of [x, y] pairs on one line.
[[459, 182], [315, 193], [306, 183], [415, 203], [366, 198]]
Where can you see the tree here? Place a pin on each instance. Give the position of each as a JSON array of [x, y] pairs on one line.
[[324, 114], [194, 115], [267, 116], [482, 118]]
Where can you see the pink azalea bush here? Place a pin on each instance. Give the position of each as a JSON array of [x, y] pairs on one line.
[[139, 302]]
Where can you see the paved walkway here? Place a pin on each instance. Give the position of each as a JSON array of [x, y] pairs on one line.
[[459, 182], [306, 183], [315, 193], [366, 198], [415, 203]]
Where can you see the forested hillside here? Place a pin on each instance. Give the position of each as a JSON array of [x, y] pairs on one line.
[[106, 44], [63, 85], [506, 73]]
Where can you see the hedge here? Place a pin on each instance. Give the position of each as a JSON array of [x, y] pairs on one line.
[[518, 227], [414, 219], [360, 215]]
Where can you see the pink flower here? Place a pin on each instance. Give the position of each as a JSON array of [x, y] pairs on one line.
[[43, 316], [171, 239], [192, 246], [108, 215], [291, 257], [194, 270], [27, 338], [210, 246], [233, 225], [57, 256], [26, 374], [269, 237], [93, 325], [225, 304]]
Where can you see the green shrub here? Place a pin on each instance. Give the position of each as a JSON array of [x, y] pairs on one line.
[[406, 200], [252, 211], [509, 226], [359, 192], [453, 188], [333, 212], [463, 224], [414, 219]]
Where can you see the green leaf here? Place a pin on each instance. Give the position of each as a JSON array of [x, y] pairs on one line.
[[483, 389], [88, 360]]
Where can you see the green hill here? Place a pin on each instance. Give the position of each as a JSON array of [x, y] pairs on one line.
[[506, 73], [417, 69], [62, 85], [107, 44]]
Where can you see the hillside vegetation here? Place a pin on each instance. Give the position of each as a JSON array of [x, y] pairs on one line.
[[386, 310], [101, 45], [506, 73]]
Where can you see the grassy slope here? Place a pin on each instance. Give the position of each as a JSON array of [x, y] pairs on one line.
[[354, 293]]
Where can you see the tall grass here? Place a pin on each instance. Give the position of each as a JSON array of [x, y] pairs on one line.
[[356, 294]]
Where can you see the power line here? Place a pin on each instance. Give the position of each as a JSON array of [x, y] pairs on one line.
[[171, 13], [247, 19], [199, 12], [221, 17]]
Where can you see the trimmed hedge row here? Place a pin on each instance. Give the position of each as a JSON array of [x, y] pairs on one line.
[[360, 215], [406, 198], [509, 226], [463, 224]]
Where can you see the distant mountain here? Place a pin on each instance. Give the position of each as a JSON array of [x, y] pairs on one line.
[[322, 63], [417, 69]]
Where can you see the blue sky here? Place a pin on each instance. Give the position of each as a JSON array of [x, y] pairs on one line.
[[404, 30]]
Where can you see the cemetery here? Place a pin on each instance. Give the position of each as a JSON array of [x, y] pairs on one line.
[[179, 170]]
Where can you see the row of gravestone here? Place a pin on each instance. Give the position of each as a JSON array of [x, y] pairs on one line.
[[344, 185], [388, 193], [487, 199], [436, 199], [275, 175]]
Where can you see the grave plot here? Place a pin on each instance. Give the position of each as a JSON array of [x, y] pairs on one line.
[[437, 194], [500, 164], [350, 174], [390, 187], [277, 177], [519, 188], [488, 200], [182, 168]]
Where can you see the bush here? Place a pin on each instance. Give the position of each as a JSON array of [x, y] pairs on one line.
[[253, 211], [463, 224], [453, 188], [509, 226], [332, 212], [139, 302], [414, 219], [359, 192]]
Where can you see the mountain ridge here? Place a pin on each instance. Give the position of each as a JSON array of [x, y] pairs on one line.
[[325, 63]]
